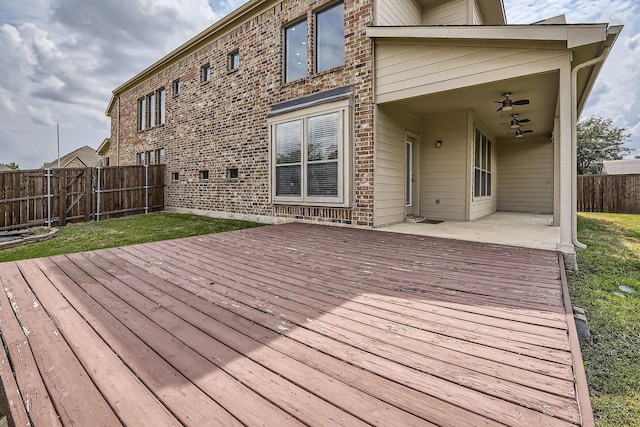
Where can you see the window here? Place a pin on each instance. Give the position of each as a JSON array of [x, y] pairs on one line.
[[234, 60], [295, 42], [151, 110], [205, 73], [330, 38], [162, 103], [151, 157], [204, 174], [310, 156], [160, 156], [176, 87], [232, 173], [175, 176], [142, 113], [482, 166]]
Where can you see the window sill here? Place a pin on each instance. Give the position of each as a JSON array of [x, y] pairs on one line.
[[327, 204]]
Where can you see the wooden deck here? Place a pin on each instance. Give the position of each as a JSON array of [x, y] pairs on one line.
[[292, 325]]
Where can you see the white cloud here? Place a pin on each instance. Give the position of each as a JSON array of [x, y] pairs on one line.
[[62, 58], [616, 94]]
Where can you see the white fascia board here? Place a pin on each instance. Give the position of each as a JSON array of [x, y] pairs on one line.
[[574, 35]]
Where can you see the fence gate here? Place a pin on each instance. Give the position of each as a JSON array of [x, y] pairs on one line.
[[50, 197]]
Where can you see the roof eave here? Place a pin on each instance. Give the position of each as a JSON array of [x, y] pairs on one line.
[[573, 35], [607, 44], [224, 24]]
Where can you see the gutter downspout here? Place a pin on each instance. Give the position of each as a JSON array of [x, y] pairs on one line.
[[118, 135], [574, 144]]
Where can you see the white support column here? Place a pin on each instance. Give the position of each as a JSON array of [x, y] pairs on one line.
[[556, 171], [565, 244]]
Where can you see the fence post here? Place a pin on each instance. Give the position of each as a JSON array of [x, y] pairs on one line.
[[48, 197], [98, 197], [62, 190], [146, 189]]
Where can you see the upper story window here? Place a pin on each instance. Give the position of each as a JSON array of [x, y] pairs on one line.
[[234, 60], [162, 104], [330, 38], [205, 73], [152, 109], [176, 87], [295, 42], [142, 113], [328, 41], [482, 166]]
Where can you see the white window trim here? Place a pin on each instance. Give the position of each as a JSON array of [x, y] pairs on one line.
[[473, 173], [345, 158]]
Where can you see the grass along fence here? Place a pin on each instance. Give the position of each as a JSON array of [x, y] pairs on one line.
[[55, 197], [609, 193]]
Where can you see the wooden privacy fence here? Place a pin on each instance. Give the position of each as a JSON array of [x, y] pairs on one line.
[[609, 193], [55, 197]]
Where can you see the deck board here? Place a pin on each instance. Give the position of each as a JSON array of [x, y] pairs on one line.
[[294, 324]]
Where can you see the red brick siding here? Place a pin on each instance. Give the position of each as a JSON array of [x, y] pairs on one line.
[[222, 123]]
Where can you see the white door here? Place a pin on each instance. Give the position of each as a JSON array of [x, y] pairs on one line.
[[411, 176]]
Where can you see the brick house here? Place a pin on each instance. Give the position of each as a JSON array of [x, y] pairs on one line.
[[364, 112]]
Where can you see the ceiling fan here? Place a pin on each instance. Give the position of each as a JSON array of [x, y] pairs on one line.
[[519, 133], [508, 103], [515, 122]]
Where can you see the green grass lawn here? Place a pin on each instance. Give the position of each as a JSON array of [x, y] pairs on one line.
[[123, 231], [612, 357]]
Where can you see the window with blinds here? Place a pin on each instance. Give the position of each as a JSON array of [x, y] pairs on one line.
[[308, 157]]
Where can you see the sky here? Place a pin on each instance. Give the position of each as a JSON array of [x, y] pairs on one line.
[[61, 59]]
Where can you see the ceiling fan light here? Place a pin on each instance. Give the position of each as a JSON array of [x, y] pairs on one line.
[[507, 108], [514, 124], [519, 135]]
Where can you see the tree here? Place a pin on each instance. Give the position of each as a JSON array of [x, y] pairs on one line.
[[599, 140], [13, 166]]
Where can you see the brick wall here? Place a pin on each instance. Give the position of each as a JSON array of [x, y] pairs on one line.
[[222, 124]]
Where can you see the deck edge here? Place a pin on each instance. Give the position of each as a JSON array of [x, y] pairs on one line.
[[580, 375]]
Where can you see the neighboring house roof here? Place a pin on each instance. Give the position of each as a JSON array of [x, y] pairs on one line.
[[83, 156], [621, 167], [103, 149], [4, 168]]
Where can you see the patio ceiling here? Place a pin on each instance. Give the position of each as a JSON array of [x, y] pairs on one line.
[[540, 89]]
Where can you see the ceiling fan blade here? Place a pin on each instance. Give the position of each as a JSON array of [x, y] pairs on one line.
[[527, 131], [523, 121], [521, 102]]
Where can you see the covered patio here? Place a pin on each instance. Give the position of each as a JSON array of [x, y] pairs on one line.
[[505, 228]]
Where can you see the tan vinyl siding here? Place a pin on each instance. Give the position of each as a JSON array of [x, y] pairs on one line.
[[444, 169], [408, 70], [391, 124], [398, 12], [526, 175], [449, 13]]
